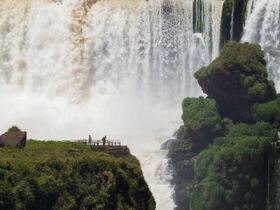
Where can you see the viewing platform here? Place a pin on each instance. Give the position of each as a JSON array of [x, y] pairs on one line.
[[112, 147], [97, 143]]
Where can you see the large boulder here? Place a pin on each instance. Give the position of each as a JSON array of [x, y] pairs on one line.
[[13, 137], [237, 79]]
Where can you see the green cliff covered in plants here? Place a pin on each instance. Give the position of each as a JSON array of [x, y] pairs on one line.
[[225, 152], [67, 175]]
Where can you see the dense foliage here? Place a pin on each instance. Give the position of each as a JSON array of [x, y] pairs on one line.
[[202, 123], [236, 80], [64, 175], [269, 112], [201, 120], [201, 113], [230, 165], [231, 172]]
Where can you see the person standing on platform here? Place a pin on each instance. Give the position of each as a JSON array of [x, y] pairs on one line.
[[89, 139], [104, 140]]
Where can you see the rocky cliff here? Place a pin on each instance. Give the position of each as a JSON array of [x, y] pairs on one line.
[[225, 153], [65, 175]]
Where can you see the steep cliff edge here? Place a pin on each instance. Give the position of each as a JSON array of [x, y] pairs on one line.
[[65, 175], [225, 152]]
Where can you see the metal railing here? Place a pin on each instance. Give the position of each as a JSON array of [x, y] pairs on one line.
[[96, 142]]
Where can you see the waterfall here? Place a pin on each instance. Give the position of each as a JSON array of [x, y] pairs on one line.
[[263, 27], [69, 68], [232, 23], [208, 15], [250, 7]]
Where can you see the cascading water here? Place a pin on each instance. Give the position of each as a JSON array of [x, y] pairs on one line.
[[208, 15], [232, 24], [115, 67], [263, 27], [250, 6]]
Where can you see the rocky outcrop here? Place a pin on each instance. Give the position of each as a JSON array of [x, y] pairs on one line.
[[67, 175], [225, 151], [233, 173], [13, 137], [202, 121], [236, 80]]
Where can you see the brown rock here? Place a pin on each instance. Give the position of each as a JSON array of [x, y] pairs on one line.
[[13, 137]]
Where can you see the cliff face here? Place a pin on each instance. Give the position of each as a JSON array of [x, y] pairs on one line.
[[64, 175], [224, 154]]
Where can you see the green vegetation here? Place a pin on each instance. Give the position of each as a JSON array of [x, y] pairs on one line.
[[231, 172], [201, 113], [237, 78], [201, 120], [65, 175], [269, 112], [230, 162], [202, 123]]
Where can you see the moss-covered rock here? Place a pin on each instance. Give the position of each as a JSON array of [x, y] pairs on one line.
[[202, 123], [269, 112], [226, 151], [65, 175], [232, 174], [201, 120], [236, 80], [181, 155]]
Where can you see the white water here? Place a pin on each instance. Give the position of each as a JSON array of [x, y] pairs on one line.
[[116, 67], [232, 23], [211, 13], [250, 7], [263, 27]]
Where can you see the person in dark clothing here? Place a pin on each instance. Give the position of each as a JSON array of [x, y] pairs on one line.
[[89, 139], [104, 140]]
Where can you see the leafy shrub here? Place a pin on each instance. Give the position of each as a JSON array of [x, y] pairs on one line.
[[269, 112], [234, 168]]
